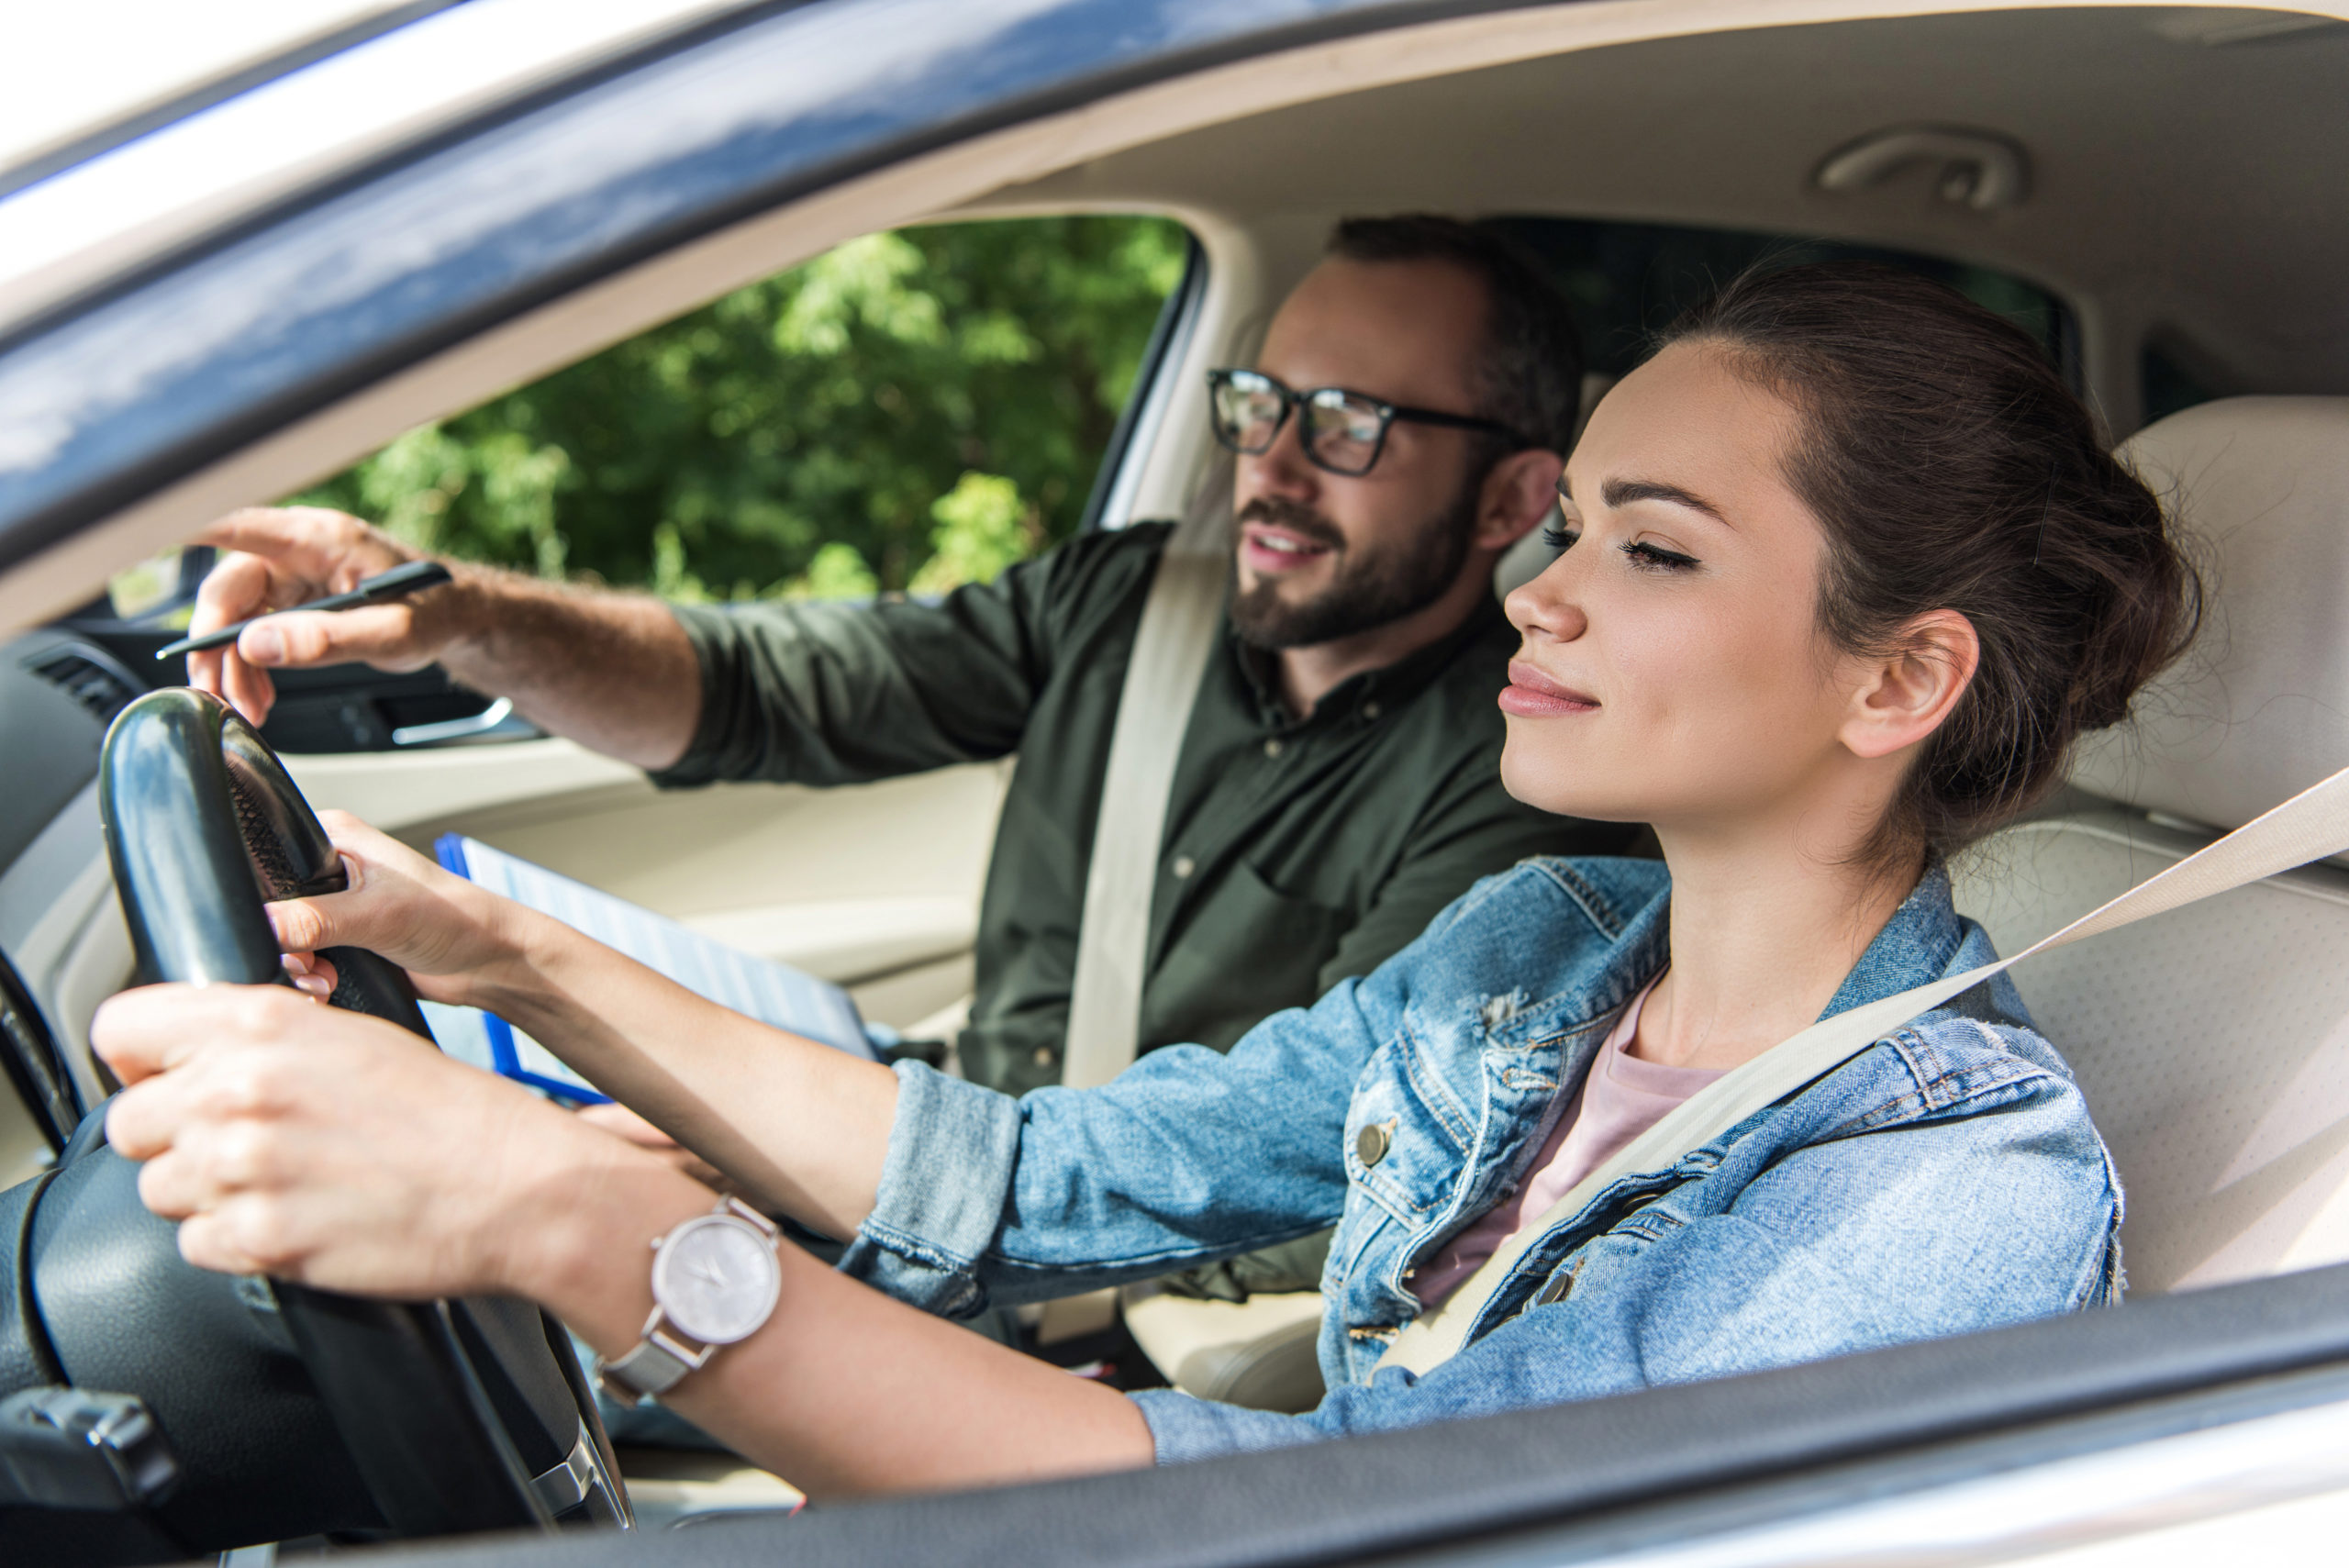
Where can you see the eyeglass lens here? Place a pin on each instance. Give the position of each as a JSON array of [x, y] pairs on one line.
[[1248, 411], [1343, 430], [1338, 429]]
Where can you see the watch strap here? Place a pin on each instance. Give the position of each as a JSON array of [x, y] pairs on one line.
[[653, 1365], [660, 1358], [735, 1207]]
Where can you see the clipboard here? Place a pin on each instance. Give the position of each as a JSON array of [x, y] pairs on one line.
[[773, 993]]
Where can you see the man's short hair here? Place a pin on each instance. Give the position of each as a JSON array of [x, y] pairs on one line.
[[1528, 371]]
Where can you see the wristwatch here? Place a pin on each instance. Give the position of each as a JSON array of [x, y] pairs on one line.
[[715, 1281]]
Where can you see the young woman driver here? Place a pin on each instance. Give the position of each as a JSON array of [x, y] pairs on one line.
[[1845, 571]]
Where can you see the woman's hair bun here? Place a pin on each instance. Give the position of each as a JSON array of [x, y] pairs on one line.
[[1953, 469]]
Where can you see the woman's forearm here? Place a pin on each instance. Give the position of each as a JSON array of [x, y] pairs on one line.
[[844, 1391], [325, 1148], [801, 1126]]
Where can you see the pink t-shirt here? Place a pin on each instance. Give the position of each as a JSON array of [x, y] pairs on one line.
[[1621, 1097]]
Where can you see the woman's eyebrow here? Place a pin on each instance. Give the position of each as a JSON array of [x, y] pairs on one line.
[[1623, 492]]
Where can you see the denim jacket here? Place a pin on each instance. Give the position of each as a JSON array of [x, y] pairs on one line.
[[1945, 1179]]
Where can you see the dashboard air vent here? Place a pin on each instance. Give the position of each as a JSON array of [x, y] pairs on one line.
[[91, 678]]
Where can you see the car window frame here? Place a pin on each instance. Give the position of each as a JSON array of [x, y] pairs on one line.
[[1587, 1481], [1117, 480]]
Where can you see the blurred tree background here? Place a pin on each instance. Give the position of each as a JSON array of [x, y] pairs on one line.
[[913, 410]]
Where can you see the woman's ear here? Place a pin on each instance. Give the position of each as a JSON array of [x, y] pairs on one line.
[[1906, 695], [1518, 493]]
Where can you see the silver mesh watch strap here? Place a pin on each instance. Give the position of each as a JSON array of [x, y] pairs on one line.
[[661, 1355], [653, 1366]]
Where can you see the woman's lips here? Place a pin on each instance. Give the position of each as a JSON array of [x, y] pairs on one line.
[[1532, 694]]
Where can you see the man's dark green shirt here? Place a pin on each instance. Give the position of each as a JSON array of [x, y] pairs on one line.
[[1297, 851]]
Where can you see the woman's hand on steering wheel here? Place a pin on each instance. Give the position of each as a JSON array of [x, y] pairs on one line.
[[335, 1149], [458, 942]]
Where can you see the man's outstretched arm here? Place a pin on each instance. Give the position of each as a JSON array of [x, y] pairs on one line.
[[613, 671]]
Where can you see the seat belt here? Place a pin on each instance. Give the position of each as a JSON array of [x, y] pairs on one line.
[[2311, 826], [1170, 647]]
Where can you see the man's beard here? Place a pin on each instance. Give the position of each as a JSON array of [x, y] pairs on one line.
[[1368, 591]]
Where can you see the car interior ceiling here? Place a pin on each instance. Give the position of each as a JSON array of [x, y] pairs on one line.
[[2181, 191], [2179, 241]]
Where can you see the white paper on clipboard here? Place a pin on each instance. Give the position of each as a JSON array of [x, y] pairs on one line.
[[772, 993]]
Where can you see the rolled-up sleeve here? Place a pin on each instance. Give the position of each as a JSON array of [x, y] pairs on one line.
[[830, 694], [1187, 1157], [951, 1151]]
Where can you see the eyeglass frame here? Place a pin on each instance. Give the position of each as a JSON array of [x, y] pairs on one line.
[[1293, 399]]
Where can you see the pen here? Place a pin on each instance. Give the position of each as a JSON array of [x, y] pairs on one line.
[[398, 583]]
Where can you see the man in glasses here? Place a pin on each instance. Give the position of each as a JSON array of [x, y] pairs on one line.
[[1338, 783]]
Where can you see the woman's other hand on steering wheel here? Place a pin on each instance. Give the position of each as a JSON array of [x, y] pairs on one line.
[[334, 1148], [457, 941]]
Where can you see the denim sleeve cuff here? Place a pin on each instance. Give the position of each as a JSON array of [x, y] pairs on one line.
[[1183, 1428], [943, 1186]]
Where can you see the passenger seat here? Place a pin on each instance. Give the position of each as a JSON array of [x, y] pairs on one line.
[[2212, 1044]]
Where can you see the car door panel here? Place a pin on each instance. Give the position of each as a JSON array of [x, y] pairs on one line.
[[875, 887], [417, 795]]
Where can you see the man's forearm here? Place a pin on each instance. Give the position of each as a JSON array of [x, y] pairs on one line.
[[613, 671]]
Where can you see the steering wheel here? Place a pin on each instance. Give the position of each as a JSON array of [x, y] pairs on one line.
[[461, 1415]]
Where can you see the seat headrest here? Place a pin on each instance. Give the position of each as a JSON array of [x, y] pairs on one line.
[[2258, 708], [1528, 558]]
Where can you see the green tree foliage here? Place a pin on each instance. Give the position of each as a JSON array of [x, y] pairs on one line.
[[913, 410]]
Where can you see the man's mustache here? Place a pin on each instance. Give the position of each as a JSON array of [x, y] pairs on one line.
[[1297, 518]]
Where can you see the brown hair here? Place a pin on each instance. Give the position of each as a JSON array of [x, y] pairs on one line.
[[1528, 369], [1953, 469]]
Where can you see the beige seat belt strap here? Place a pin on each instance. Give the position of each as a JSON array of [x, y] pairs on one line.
[[1178, 632], [2308, 827]]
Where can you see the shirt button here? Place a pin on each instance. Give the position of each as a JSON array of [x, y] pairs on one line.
[[1370, 1144], [1370, 710], [1043, 1057], [1184, 865], [1271, 748]]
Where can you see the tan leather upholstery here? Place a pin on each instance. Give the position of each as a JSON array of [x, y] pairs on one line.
[[2212, 1044], [2259, 709], [1258, 1352]]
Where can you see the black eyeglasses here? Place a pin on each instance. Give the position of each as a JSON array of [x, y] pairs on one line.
[[1341, 431]]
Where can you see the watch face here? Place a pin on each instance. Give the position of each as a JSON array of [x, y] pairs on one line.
[[717, 1278]]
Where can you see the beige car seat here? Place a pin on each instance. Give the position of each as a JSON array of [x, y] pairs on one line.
[[2212, 1043]]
